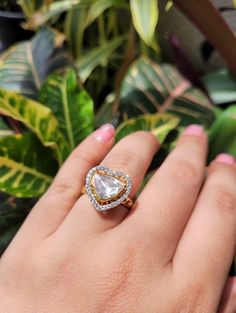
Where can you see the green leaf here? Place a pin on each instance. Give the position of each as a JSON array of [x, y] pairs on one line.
[[78, 19], [50, 11], [75, 24], [221, 86], [95, 57], [158, 124], [169, 5], [72, 106], [29, 7], [149, 88], [145, 17], [222, 134], [24, 66], [99, 6], [26, 166], [36, 117]]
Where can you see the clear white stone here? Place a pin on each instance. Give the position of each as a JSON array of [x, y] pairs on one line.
[[107, 186]]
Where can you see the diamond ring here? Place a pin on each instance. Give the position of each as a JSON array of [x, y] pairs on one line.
[[107, 189]]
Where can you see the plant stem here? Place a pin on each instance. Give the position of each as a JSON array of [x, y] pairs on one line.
[[210, 22], [101, 28]]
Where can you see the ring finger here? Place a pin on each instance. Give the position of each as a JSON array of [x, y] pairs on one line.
[[132, 155]]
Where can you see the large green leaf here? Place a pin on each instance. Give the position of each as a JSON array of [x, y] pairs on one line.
[[36, 117], [24, 67], [145, 17], [72, 106], [26, 166], [158, 124], [221, 86], [87, 63], [223, 134], [149, 88]]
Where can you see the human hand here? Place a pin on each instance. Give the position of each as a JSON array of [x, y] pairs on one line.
[[170, 254]]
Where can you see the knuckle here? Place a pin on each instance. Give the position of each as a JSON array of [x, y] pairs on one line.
[[186, 171], [198, 141], [123, 160], [62, 187], [223, 199], [142, 135], [82, 159]]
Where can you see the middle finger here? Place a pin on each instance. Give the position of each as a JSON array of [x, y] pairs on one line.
[[167, 201]]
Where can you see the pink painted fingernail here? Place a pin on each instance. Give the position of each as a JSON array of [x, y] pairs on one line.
[[105, 133], [194, 130], [225, 158]]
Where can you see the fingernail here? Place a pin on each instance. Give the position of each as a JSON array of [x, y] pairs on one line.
[[105, 133], [225, 158], [194, 130]]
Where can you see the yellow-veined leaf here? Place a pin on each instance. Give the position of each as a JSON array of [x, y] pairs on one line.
[[71, 104], [26, 166], [158, 124], [36, 117]]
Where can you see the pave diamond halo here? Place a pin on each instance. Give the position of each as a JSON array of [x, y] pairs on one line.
[[107, 189]]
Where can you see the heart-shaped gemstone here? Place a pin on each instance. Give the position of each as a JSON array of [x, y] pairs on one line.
[[106, 188]]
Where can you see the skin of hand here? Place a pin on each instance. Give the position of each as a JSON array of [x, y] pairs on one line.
[[170, 254]]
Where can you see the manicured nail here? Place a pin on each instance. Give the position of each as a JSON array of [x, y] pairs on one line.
[[194, 130], [105, 133], [225, 158]]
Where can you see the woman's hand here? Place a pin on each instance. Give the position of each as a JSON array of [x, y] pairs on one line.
[[170, 254]]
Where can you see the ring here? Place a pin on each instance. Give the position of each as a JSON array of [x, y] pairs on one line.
[[107, 189]]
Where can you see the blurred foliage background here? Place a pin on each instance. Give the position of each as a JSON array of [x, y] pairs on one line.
[[68, 66]]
